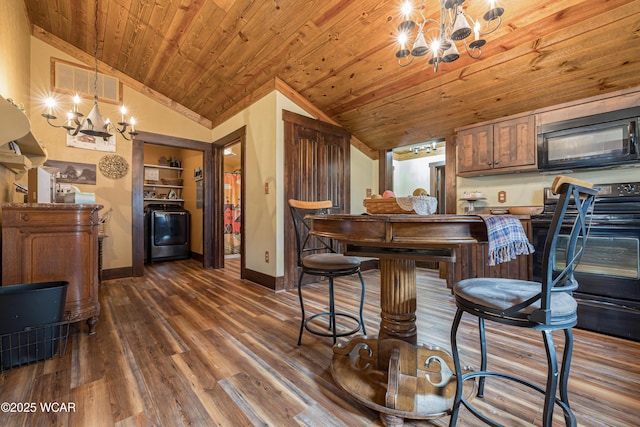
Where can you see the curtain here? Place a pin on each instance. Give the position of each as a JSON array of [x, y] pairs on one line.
[[232, 213]]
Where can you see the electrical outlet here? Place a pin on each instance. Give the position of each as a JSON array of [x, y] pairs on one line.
[[266, 188], [266, 256], [502, 196]]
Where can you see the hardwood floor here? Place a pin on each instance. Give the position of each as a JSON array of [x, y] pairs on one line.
[[187, 346]]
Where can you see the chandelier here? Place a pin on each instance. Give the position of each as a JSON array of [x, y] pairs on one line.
[[453, 27], [94, 124]]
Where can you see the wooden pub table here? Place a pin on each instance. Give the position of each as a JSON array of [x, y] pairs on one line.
[[392, 373]]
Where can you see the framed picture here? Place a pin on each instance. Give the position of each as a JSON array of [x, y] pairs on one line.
[[89, 142], [72, 173], [197, 173]]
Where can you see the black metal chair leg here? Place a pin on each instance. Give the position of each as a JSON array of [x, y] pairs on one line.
[[456, 363], [332, 310], [570, 419], [364, 330], [552, 379], [483, 355], [301, 308], [566, 365]]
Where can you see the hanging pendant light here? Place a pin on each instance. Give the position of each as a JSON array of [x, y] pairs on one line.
[[94, 124]]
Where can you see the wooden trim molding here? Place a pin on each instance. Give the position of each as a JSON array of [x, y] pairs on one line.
[[117, 273], [271, 282]]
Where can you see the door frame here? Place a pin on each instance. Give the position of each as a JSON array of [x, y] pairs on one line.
[[209, 167], [239, 136]]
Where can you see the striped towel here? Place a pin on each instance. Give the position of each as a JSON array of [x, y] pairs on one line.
[[506, 237]]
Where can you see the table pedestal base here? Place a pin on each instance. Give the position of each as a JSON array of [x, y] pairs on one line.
[[419, 382]]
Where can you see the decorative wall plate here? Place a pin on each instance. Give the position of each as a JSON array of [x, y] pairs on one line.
[[113, 166]]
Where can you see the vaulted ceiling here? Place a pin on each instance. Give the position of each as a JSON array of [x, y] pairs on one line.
[[210, 58]]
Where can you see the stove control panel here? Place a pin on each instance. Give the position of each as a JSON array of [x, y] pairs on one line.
[[630, 189], [607, 191]]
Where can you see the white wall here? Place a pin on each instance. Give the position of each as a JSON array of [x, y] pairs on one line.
[[364, 175], [414, 173]]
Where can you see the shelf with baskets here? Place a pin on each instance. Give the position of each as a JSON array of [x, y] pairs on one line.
[[162, 183]]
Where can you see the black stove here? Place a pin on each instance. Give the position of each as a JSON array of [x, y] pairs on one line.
[[609, 273]]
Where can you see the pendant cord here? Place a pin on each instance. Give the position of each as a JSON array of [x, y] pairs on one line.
[[95, 56]]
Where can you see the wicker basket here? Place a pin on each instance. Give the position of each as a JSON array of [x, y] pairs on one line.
[[384, 206], [172, 181]]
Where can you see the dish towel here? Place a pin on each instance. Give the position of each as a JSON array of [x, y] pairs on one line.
[[506, 237]]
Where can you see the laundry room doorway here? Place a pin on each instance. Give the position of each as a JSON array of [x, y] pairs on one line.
[[232, 182]]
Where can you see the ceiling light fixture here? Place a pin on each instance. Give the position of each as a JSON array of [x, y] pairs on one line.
[[452, 27], [94, 124]]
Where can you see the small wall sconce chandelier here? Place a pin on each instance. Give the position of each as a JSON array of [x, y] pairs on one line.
[[452, 27], [426, 148], [94, 124]]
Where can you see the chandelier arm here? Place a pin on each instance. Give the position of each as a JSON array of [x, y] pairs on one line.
[[491, 30], [50, 117], [76, 119], [407, 62], [75, 130], [122, 134], [474, 50]]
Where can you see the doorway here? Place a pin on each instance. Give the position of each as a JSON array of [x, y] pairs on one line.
[[229, 225], [420, 166], [232, 170], [208, 196]]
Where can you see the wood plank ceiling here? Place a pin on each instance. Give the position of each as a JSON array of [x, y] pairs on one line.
[[210, 56]]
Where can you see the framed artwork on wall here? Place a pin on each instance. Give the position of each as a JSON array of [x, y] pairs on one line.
[[71, 172]]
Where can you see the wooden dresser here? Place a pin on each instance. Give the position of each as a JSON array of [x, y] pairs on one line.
[[47, 242]]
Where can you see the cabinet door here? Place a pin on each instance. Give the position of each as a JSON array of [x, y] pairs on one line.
[[514, 143], [475, 149]]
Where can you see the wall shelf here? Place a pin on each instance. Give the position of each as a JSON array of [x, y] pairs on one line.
[[154, 185], [15, 126]]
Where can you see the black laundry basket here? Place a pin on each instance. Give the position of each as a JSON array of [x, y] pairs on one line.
[[32, 323]]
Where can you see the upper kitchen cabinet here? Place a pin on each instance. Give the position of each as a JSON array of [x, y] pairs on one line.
[[497, 147], [19, 150]]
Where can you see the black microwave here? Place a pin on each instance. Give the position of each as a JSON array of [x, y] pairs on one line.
[[602, 140]]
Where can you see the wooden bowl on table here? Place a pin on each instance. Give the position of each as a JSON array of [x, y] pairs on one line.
[[526, 210]]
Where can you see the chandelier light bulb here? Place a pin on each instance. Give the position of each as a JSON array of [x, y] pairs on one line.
[[407, 7]]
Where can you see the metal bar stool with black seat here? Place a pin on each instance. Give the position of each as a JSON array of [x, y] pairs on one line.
[[317, 257], [546, 306]]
